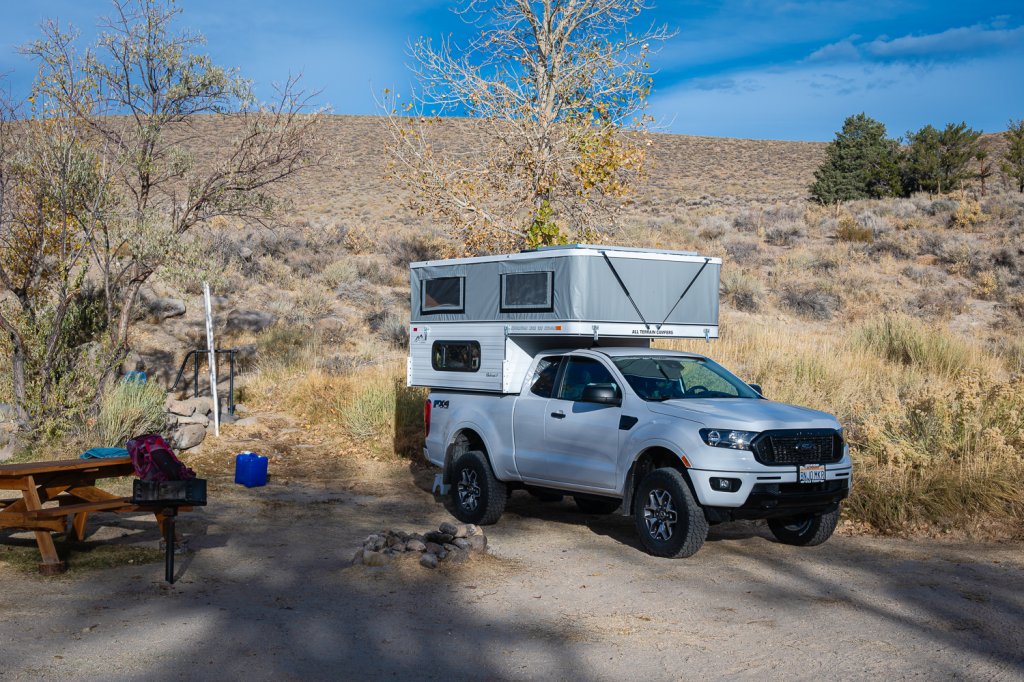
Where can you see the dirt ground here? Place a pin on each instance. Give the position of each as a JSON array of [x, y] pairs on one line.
[[266, 592]]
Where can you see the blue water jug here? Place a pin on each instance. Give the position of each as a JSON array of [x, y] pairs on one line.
[[250, 469]]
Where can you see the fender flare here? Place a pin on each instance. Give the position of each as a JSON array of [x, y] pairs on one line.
[[449, 448], [631, 479]]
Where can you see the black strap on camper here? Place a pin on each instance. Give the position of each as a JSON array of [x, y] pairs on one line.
[[685, 291], [622, 284]]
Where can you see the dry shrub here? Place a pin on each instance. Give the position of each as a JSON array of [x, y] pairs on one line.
[[417, 248], [811, 302], [967, 214], [316, 302], [849, 230], [339, 273], [744, 251], [937, 302], [743, 290], [390, 326], [786, 233], [986, 285], [711, 227]]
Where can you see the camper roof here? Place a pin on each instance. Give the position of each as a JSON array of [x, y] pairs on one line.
[[576, 250]]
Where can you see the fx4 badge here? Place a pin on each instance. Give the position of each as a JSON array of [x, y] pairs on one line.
[[441, 404]]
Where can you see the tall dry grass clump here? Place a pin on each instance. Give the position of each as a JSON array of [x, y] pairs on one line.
[[935, 422], [129, 409]]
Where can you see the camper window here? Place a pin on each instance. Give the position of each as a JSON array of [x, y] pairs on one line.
[[443, 295], [527, 291], [455, 356]]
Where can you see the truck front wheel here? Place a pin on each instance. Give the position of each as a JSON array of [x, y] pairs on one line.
[[805, 531], [668, 518], [476, 495]]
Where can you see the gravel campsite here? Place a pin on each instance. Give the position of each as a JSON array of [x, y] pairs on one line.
[[267, 590]]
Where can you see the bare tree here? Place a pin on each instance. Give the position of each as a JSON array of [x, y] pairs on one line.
[[142, 92], [106, 177], [551, 87]]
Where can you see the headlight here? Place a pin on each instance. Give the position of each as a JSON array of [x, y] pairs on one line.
[[724, 438]]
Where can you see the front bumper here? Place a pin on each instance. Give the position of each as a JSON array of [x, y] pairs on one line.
[[763, 495]]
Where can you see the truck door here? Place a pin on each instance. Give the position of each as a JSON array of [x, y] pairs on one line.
[[528, 419], [581, 440]]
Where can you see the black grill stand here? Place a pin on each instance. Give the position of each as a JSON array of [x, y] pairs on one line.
[[170, 514]]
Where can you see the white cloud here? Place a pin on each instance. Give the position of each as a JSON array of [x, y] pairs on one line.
[[810, 101], [954, 41]]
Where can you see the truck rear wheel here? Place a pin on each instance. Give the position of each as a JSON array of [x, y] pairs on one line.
[[805, 531], [477, 496], [668, 518]]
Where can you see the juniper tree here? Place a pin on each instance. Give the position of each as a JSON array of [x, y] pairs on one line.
[[860, 163], [940, 161], [1013, 159]]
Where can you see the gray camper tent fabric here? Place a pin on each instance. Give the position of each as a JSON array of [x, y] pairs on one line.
[[573, 285]]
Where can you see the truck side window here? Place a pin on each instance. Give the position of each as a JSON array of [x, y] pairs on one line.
[[543, 383], [582, 372]]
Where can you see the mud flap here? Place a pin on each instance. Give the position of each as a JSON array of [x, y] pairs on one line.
[[440, 489]]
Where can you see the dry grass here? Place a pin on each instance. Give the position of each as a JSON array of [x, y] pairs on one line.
[[936, 425]]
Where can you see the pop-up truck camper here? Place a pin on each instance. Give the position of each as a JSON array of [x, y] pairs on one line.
[[542, 376]]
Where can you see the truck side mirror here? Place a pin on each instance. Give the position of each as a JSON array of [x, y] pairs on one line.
[[603, 394], [757, 387]]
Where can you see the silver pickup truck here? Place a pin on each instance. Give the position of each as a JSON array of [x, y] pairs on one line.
[[673, 439]]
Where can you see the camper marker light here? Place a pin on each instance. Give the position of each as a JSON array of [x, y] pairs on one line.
[[724, 438]]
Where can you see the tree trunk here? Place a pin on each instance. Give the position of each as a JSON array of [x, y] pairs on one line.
[[119, 336]]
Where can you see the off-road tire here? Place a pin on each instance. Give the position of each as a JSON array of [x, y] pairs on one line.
[[596, 507], [805, 531], [689, 529], [476, 495]]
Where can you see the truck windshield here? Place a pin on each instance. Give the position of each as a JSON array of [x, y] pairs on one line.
[[680, 378]]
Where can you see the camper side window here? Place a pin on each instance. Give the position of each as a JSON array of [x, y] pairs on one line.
[[526, 291], [443, 295], [543, 383], [455, 356]]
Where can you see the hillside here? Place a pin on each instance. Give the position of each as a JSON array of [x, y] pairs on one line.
[[901, 316]]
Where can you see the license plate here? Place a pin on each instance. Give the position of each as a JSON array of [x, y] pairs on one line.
[[812, 473]]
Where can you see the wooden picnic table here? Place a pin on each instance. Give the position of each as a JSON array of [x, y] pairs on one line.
[[58, 496]]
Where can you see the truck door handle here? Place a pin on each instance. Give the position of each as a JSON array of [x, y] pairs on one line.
[[558, 415]]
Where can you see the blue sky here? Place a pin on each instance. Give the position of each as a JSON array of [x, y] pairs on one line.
[[773, 70]]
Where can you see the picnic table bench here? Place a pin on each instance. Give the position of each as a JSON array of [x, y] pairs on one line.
[[58, 496]]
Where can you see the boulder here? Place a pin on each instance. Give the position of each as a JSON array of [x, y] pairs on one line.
[[248, 320], [182, 408], [457, 556], [439, 537], [477, 543], [433, 548], [196, 418], [428, 560], [163, 308], [448, 528], [461, 543], [188, 436], [414, 545], [247, 421]]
